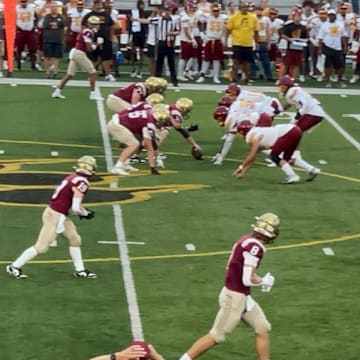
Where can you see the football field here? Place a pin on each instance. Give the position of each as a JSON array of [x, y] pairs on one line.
[[159, 244]]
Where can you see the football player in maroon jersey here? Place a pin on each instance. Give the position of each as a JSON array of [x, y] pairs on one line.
[[78, 58], [178, 111], [67, 197], [235, 301], [132, 127], [135, 92]]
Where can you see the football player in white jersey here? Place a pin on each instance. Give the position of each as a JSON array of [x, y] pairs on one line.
[[309, 111]]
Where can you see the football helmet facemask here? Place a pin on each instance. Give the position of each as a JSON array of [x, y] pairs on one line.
[[244, 127], [86, 165], [285, 83], [267, 225], [220, 115], [225, 101]]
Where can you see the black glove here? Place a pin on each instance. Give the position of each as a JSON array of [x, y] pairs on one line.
[[297, 116], [90, 215], [193, 127], [154, 171]]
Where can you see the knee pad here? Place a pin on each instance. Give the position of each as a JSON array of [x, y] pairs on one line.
[[275, 158], [262, 326]]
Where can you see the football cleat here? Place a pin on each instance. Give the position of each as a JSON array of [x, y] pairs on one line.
[[15, 272], [128, 167], [86, 274], [119, 170], [292, 179], [57, 94], [95, 96], [313, 174]]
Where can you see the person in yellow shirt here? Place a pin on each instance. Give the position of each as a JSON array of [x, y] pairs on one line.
[[243, 27]]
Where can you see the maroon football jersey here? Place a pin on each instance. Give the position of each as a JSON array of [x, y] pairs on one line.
[[84, 36], [235, 265], [136, 120], [61, 200], [175, 113], [126, 92]]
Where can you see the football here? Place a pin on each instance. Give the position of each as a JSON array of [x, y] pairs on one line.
[[145, 346], [196, 153]]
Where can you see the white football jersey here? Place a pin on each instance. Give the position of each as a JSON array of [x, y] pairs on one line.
[[215, 27], [304, 102], [76, 17], [275, 26], [25, 17], [251, 96], [268, 135], [185, 25]]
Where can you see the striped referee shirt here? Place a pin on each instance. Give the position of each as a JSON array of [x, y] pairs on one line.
[[166, 26]]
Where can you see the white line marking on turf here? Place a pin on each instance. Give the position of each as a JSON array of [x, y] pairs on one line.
[[135, 319], [115, 242], [343, 132], [328, 251]]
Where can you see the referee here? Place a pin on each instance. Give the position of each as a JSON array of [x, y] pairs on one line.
[[167, 29]]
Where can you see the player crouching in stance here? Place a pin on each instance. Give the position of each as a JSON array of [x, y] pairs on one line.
[[235, 299], [134, 93], [68, 196], [132, 127], [282, 141], [179, 111], [78, 58]]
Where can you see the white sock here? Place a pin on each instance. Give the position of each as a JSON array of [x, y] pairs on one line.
[[204, 67], [181, 67], [119, 164], [189, 64], [216, 65], [25, 257], [185, 357], [75, 253], [227, 144], [287, 169]]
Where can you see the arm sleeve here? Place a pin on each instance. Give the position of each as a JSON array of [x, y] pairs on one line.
[[76, 206], [250, 261]]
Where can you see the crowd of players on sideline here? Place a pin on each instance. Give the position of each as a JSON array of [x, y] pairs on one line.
[[48, 28]]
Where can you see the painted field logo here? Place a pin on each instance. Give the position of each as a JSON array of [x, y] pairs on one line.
[[34, 188]]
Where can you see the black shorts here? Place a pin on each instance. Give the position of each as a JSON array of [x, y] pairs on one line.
[[138, 39], [334, 58], [150, 51], [53, 50], [104, 53], [243, 53]]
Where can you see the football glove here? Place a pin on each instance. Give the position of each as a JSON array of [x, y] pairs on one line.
[[267, 282], [193, 127], [90, 214]]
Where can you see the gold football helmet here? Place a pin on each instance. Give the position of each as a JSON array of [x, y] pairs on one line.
[[151, 84], [267, 225], [154, 99], [86, 165], [184, 105], [161, 114], [161, 85]]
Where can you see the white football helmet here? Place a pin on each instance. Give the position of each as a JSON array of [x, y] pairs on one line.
[[86, 165]]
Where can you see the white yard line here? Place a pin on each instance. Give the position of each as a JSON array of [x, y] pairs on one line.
[[343, 132], [129, 285]]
